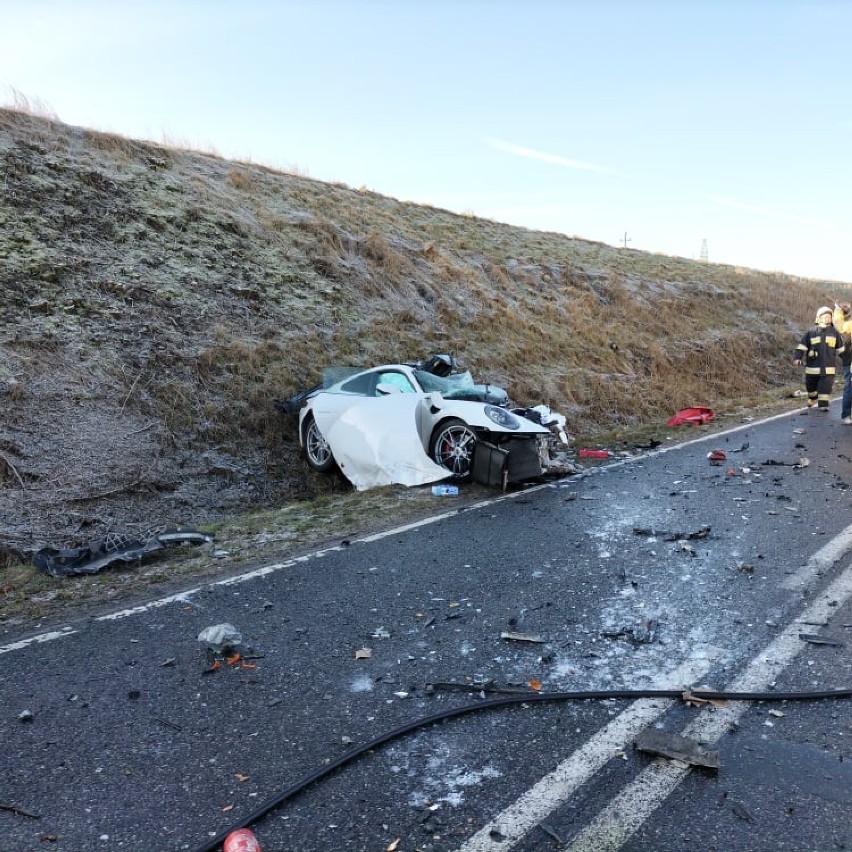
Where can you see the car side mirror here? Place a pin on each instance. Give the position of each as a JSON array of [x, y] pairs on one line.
[[435, 401]]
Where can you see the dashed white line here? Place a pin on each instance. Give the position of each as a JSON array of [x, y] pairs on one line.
[[505, 830], [35, 640], [821, 561], [626, 813]]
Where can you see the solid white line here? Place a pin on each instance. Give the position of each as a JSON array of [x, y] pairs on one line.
[[184, 596], [181, 597], [625, 814], [557, 787], [35, 640], [270, 569]]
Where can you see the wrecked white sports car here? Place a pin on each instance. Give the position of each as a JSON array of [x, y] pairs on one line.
[[416, 423]]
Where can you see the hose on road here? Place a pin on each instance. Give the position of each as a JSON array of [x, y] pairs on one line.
[[516, 697]]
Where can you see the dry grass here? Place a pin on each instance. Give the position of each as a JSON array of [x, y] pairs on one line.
[[183, 293]]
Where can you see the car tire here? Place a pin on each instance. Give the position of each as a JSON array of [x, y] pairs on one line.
[[451, 447], [317, 451]]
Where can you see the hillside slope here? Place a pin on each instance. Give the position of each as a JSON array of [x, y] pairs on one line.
[[156, 301]]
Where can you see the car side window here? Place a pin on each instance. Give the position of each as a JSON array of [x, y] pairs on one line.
[[363, 384], [399, 380]]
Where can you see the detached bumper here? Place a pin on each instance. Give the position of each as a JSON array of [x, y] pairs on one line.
[[513, 461]]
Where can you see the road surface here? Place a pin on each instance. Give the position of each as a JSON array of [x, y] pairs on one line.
[[661, 572]]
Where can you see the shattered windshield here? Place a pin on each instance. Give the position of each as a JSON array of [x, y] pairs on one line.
[[446, 385], [461, 386]]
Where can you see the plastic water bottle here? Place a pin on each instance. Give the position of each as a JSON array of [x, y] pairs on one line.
[[445, 490]]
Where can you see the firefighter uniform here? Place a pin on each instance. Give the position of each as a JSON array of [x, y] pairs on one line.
[[818, 350]]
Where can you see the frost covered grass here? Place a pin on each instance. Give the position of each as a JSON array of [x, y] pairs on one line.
[[158, 300]]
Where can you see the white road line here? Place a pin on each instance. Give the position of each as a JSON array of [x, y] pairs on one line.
[[270, 569], [35, 640], [557, 787], [822, 560], [625, 814], [182, 597]]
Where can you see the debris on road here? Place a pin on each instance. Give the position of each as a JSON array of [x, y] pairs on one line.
[[698, 415], [220, 637], [802, 462], [677, 747], [740, 811], [220, 641], [641, 634], [380, 633], [241, 840], [684, 546], [114, 547], [445, 490], [698, 701], [666, 535], [521, 637], [717, 456], [594, 454], [819, 640], [4, 806]]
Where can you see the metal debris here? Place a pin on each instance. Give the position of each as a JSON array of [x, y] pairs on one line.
[[677, 747], [814, 639], [667, 535], [642, 634], [521, 637]]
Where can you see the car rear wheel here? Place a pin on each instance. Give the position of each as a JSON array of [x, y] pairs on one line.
[[317, 450], [452, 446]]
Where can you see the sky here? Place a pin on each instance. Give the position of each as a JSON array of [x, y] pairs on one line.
[[681, 128]]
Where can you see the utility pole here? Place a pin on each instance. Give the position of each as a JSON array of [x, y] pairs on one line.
[[626, 239], [704, 251]]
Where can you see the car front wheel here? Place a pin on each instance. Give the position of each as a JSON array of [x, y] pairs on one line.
[[452, 446], [317, 450]]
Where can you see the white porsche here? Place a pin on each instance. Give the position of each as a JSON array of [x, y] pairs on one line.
[[409, 424]]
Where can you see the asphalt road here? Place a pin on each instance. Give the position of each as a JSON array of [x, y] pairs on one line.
[[662, 572]]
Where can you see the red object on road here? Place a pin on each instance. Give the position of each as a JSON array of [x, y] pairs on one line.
[[695, 416], [717, 456], [594, 454], [241, 840]]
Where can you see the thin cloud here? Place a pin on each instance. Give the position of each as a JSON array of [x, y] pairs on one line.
[[767, 211], [532, 154]]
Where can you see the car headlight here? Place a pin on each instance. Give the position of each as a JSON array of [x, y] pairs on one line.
[[502, 417]]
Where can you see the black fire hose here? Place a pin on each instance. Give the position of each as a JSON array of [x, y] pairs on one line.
[[517, 697]]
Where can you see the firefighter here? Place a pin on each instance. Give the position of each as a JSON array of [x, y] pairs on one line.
[[843, 323], [818, 350]]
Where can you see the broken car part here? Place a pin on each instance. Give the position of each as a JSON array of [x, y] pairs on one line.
[[698, 415], [114, 547]]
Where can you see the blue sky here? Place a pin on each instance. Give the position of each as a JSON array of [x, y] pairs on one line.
[[670, 123]]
